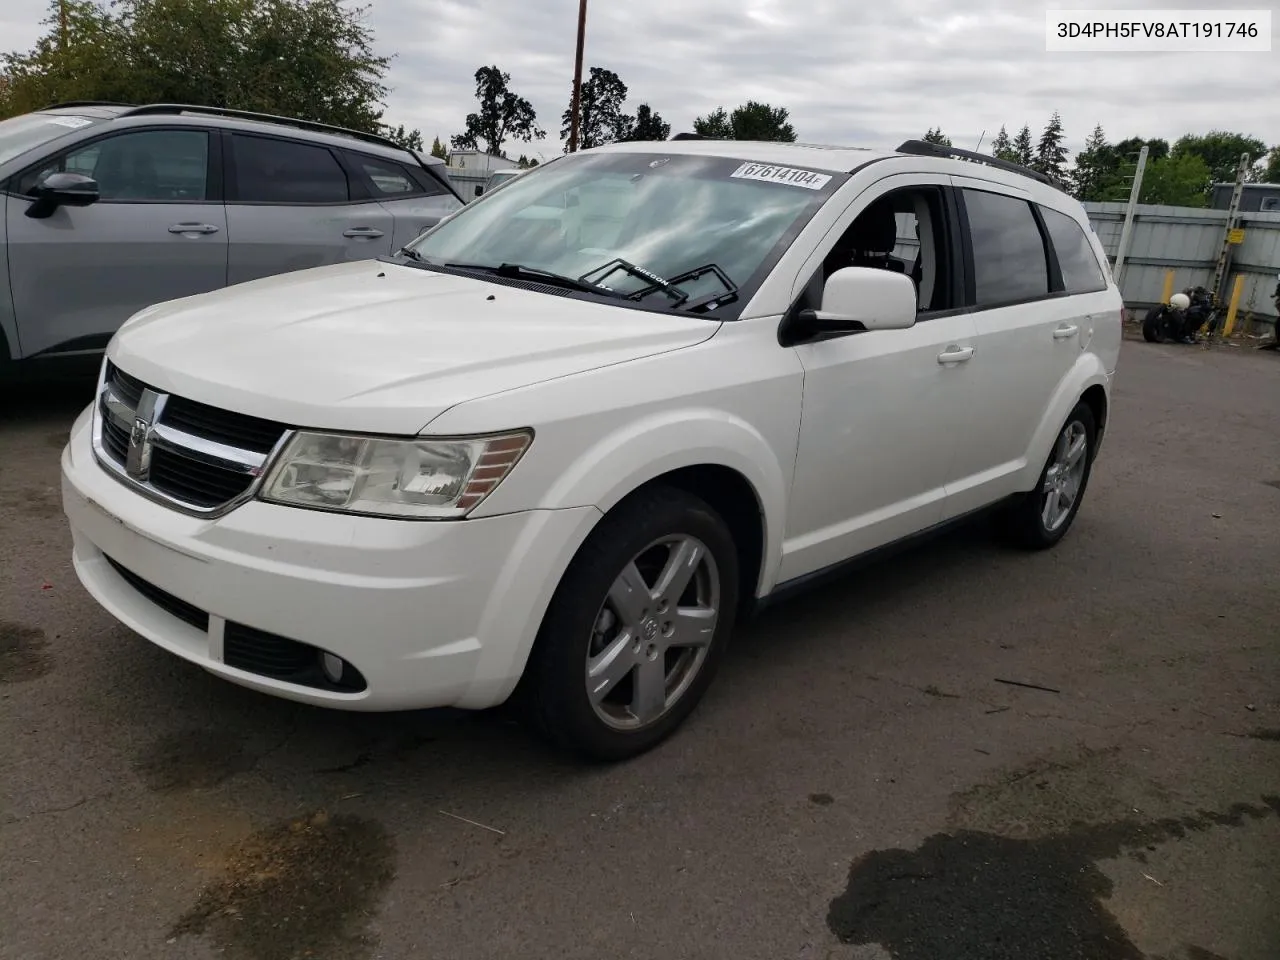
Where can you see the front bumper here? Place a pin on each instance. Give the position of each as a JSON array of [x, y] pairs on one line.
[[429, 613]]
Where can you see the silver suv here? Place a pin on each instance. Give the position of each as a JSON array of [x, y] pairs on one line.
[[110, 208]]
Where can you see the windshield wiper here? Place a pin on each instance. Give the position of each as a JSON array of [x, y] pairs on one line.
[[412, 255], [655, 282], [517, 271]]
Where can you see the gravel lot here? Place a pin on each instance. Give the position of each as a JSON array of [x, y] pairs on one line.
[[859, 783]]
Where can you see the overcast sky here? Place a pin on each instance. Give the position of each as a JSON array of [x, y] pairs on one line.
[[858, 72]]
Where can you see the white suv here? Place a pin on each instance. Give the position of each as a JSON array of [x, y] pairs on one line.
[[559, 442]]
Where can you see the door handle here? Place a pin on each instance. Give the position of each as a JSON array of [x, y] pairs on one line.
[[955, 354], [366, 233], [193, 228], [1064, 333]]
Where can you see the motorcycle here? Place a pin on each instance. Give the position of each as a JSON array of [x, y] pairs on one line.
[[1178, 320]]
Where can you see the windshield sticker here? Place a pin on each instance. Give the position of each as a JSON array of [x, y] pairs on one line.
[[74, 123], [789, 175]]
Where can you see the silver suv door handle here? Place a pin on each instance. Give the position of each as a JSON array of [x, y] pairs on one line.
[[955, 354], [193, 228], [1064, 333], [367, 233]]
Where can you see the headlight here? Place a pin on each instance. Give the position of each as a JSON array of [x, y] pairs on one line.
[[420, 478]]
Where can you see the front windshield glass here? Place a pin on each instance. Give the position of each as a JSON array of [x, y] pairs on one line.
[[20, 134], [628, 222]]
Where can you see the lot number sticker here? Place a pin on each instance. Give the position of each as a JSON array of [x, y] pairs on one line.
[[74, 123], [789, 175]]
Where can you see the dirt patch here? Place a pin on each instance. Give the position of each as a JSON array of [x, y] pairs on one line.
[[43, 503], [305, 888], [191, 760], [1052, 795], [24, 653], [979, 896]]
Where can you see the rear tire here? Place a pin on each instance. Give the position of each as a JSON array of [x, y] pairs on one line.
[[586, 687], [1033, 522]]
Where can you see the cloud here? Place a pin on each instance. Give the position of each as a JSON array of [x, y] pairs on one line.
[[851, 73]]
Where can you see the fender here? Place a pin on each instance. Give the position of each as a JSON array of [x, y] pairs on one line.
[[594, 483], [645, 449], [1087, 371]]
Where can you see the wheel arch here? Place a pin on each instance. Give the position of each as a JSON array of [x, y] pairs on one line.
[[1087, 381]]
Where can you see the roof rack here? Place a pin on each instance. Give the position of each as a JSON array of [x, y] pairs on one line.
[[162, 109], [923, 148]]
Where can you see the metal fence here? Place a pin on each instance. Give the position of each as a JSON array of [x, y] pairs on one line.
[[1187, 240]]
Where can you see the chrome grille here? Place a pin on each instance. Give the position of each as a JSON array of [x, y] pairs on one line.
[[194, 457]]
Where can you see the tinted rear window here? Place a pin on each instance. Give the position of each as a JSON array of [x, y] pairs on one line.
[[282, 171], [1076, 260]]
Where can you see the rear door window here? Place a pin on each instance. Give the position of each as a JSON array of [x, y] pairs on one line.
[[1010, 263], [270, 170]]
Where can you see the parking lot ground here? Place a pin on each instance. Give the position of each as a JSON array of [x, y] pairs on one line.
[[860, 782]]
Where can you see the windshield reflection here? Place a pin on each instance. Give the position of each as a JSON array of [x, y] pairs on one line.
[[666, 215]]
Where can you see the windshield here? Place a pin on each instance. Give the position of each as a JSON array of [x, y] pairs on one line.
[[636, 224], [20, 134]]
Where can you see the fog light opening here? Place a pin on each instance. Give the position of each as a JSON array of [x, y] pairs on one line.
[[333, 667]]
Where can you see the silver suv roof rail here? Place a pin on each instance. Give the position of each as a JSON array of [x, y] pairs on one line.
[[161, 109], [923, 148]]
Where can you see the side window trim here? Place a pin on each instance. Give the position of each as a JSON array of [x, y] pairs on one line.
[[1053, 269], [232, 195], [213, 161], [971, 286]]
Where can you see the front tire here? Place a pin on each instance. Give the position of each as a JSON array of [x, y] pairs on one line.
[[1039, 519], [636, 629], [1153, 325]]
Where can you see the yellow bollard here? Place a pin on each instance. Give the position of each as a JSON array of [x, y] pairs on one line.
[[1237, 289], [1168, 286]]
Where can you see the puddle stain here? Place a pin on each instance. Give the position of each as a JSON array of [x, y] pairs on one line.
[[973, 895], [302, 888], [192, 760], [1271, 736], [822, 799], [24, 653]]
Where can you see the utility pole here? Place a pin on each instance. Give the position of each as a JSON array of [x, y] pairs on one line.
[[1233, 215], [577, 77], [1126, 232]]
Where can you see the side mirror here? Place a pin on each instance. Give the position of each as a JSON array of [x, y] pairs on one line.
[[479, 191], [62, 190], [865, 298]]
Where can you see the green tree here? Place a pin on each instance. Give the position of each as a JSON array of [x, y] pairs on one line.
[[600, 116], [1002, 147], [648, 125], [715, 125], [1270, 172], [1128, 150], [936, 136], [439, 150], [309, 59], [1221, 151], [1022, 147], [1097, 173], [526, 163], [751, 121], [502, 116], [1051, 156], [409, 139], [1179, 180]]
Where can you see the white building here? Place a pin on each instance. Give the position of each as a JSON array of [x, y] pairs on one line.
[[477, 163]]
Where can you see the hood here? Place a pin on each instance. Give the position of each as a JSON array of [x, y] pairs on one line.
[[379, 347]]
